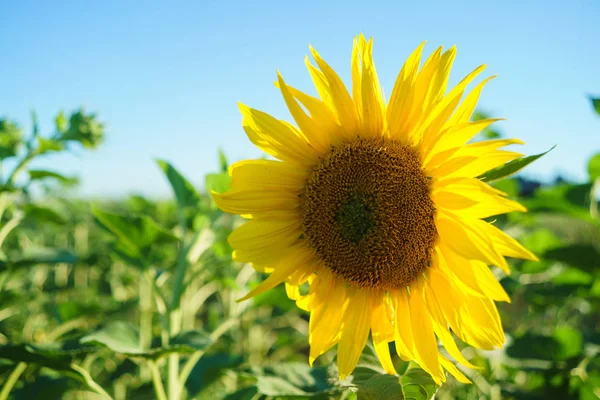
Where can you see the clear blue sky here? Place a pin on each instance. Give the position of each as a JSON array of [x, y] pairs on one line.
[[166, 77]]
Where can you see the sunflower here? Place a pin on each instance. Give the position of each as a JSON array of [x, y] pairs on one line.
[[378, 208]]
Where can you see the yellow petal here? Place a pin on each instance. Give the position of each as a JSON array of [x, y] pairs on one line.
[[484, 163], [355, 331], [425, 345], [342, 103], [251, 202], [322, 116], [297, 258], [307, 125], [277, 138], [440, 327], [259, 234], [421, 88], [450, 167], [292, 291], [403, 335], [505, 244], [439, 84], [473, 319], [451, 200], [400, 102], [487, 200], [382, 330], [474, 274], [366, 90], [448, 366], [465, 110], [454, 137], [326, 320], [468, 242], [266, 175]]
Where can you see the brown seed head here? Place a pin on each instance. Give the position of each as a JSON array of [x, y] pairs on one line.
[[368, 215]]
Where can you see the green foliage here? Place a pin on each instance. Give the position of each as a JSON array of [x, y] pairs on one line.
[[511, 167], [10, 139], [82, 128], [596, 104], [593, 167]]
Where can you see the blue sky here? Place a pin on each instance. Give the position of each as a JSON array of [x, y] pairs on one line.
[[166, 77]]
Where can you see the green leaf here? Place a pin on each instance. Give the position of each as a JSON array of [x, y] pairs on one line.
[[583, 256], [41, 214], [223, 165], [10, 139], [596, 104], [48, 145], [39, 174], [60, 122], [417, 384], [209, 369], [565, 343], [84, 128], [38, 256], [57, 356], [137, 235], [185, 193], [511, 167], [122, 337], [275, 386], [217, 182], [594, 166]]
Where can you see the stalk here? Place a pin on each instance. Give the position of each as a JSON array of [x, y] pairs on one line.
[[174, 389], [593, 199], [12, 380], [146, 301]]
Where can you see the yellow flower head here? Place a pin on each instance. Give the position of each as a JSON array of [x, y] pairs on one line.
[[378, 207]]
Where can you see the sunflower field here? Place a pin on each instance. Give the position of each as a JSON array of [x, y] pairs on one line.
[[139, 298]]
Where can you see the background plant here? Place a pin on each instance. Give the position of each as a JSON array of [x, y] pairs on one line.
[[136, 298]]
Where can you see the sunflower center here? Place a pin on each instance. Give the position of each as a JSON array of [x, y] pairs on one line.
[[368, 215]]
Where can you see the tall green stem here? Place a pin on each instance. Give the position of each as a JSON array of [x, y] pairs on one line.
[[593, 199], [12, 380], [175, 315], [146, 301]]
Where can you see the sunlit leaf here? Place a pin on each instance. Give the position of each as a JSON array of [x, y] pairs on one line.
[[217, 182], [511, 167], [84, 128], [43, 214], [60, 122], [122, 337], [596, 104], [39, 174], [418, 384], [48, 145], [10, 139], [594, 166], [223, 164], [185, 193]]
